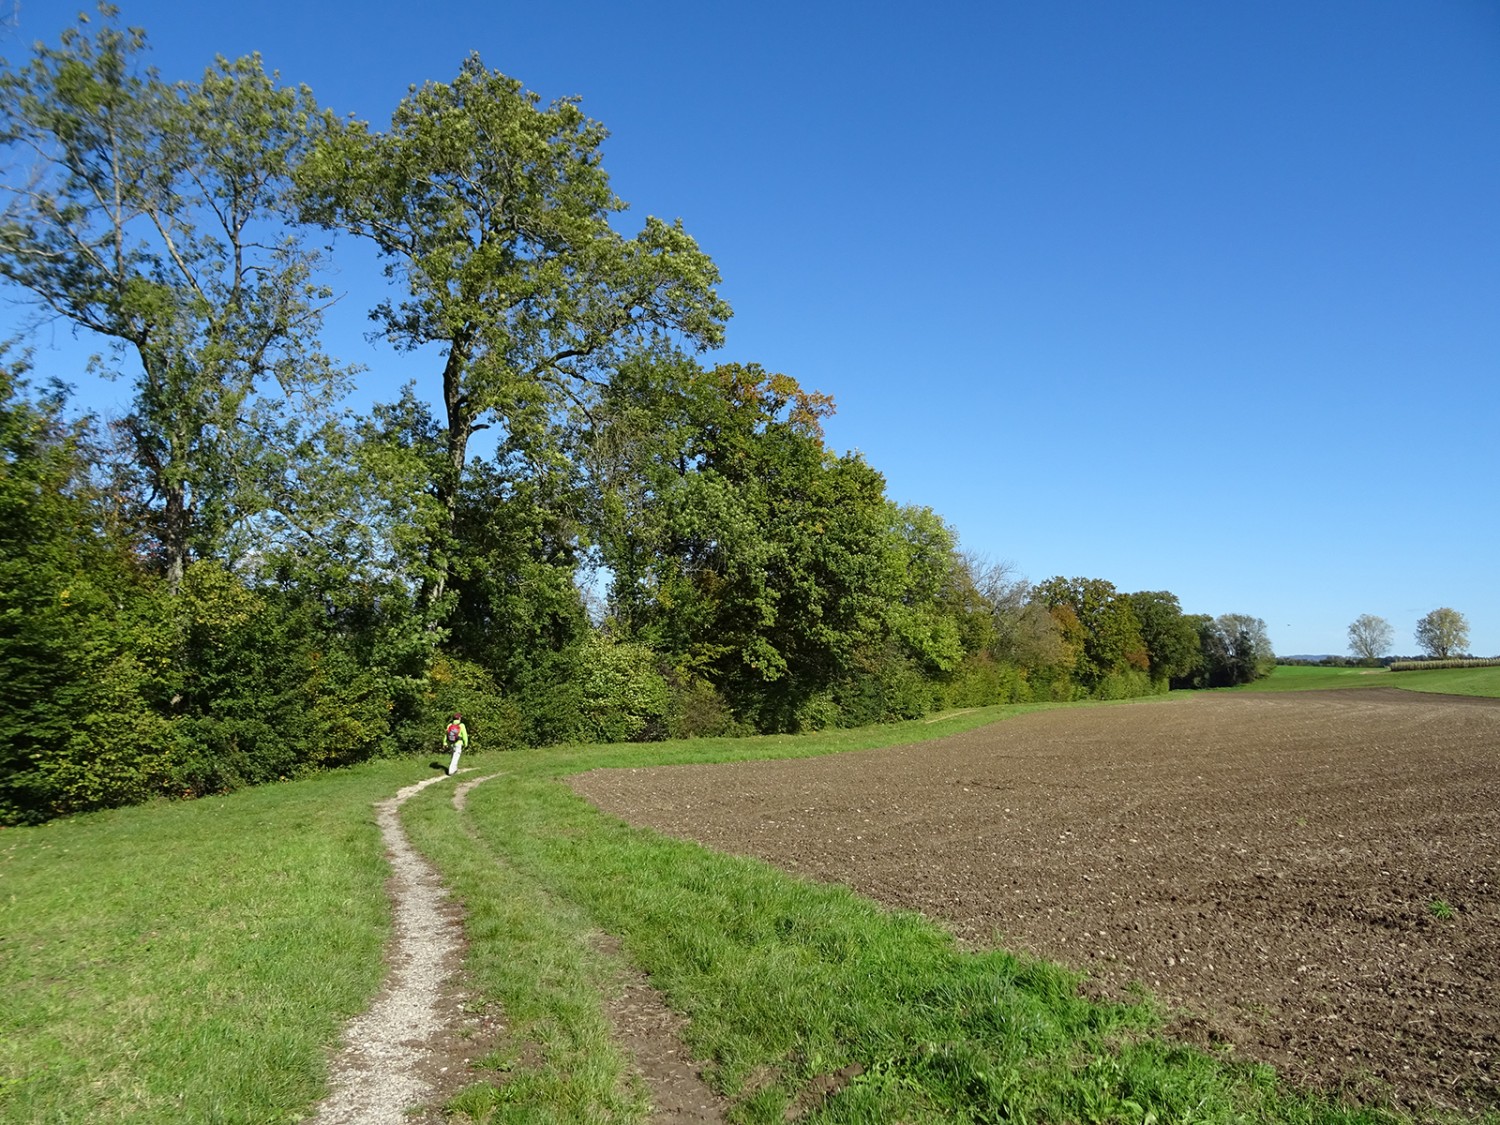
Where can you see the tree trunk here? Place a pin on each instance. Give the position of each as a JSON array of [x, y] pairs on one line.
[[460, 429]]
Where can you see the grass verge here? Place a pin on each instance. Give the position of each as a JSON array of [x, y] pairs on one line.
[[189, 962]]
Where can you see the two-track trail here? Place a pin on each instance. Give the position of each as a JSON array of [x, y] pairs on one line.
[[411, 1048]]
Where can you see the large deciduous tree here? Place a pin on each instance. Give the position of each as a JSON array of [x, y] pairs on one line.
[[1110, 631], [1170, 638], [152, 215], [493, 213], [1442, 633], [1236, 649], [745, 551], [1370, 637]]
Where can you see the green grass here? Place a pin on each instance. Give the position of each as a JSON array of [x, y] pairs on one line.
[[189, 962], [1443, 681], [194, 963]]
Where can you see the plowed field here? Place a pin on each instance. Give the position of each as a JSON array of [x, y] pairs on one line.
[[1312, 878]]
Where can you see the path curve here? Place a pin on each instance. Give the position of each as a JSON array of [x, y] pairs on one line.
[[381, 1077], [377, 1078]]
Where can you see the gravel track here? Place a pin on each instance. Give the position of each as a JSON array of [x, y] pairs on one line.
[[416, 1043], [381, 1073]]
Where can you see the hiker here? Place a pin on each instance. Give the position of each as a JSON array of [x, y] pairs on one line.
[[456, 737]]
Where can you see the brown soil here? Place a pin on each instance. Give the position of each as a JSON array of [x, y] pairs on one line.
[[1312, 878]]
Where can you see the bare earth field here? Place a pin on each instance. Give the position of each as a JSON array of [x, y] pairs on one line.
[[1312, 878]]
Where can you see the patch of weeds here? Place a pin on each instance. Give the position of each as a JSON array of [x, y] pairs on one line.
[[502, 1061], [1099, 1094], [1439, 909], [475, 1103]]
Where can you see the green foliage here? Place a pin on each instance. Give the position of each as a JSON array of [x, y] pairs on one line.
[[927, 615], [1235, 650], [494, 721], [152, 216], [1171, 640], [983, 681], [1443, 633], [494, 213], [695, 709], [1101, 626], [75, 732], [624, 697], [515, 604]]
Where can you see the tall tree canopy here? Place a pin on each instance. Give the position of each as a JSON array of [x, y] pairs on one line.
[[1443, 632], [1110, 630], [493, 213], [153, 215], [1171, 640]]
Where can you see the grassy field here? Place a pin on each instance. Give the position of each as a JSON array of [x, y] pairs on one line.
[[1444, 681], [193, 962]]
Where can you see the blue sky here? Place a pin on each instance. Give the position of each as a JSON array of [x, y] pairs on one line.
[[1188, 296]]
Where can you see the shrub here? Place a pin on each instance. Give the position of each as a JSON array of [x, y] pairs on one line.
[[983, 681], [696, 709], [494, 722], [623, 696], [1130, 683]]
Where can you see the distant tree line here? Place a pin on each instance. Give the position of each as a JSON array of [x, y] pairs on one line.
[[240, 581]]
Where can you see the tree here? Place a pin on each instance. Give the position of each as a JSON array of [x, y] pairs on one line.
[[747, 553], [75, 731], [1442, 633], [153, 217], [1370, 637], [1111, 632], [926, 616], [1236, 649], [493, 214], [1170, 639]]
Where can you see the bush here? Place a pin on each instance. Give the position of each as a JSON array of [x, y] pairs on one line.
[[983, 681], [494, 722], [623, 696], [1130, 683], [892, 689], [696, 709]]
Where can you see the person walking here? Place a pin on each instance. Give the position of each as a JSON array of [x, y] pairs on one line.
[[456, 738]]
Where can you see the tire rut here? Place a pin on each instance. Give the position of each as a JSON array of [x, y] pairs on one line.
[[397, 1056], [648, 1031]]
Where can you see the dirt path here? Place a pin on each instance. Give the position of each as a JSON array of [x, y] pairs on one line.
[[380, 1074], [416, 1043], [1314, 877]]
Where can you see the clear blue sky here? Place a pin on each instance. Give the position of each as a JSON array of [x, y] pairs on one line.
[[1198, 297]]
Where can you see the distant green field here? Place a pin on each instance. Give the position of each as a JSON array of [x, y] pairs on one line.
[[1443, 681]]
